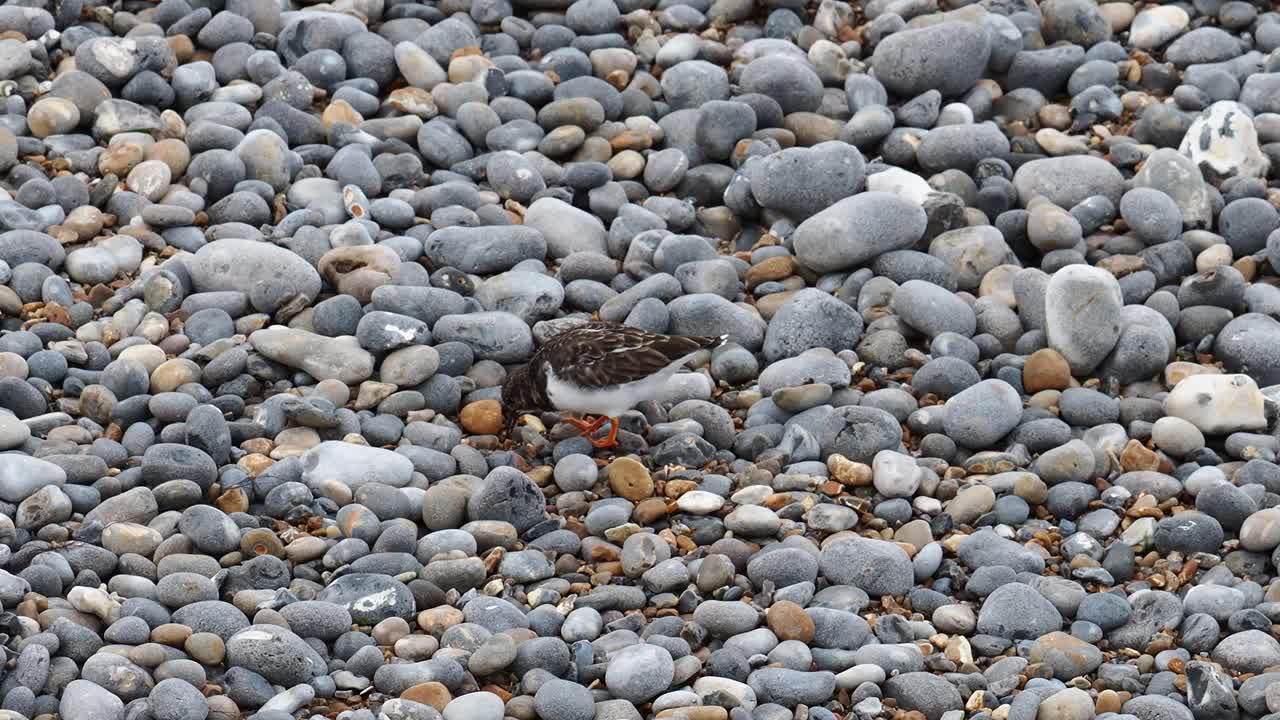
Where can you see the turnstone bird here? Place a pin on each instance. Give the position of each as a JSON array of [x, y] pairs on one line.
[[602, 369]]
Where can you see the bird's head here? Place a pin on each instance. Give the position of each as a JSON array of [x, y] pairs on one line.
[[517, 395]]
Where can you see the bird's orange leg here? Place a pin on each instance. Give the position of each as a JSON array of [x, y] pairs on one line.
[[611, 440], [586, 427]]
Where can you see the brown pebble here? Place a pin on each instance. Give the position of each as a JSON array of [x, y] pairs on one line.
[[1108, 701], [630, 479], [649, 511], [428, 693], [789, 621], [390, 630], [260, 541], [206, 648], [233, 500], [777, 267], [171, 634], [1137, 456], [483, 417], [1046, 369]]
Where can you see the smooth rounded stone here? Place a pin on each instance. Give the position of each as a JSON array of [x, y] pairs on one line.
[[313, 618], [1260, 531], [1202, 45], [13, 432], [980, 415], [529, 296], [1250, 651], [959, 147], [52, 116], [91, 265], [1174, 174], [1156, 707], [1068, 181], [925, 693], [1068, 656], [1156, 26], [694, 83], [1188, 532], [721, 125], [1232, 149], [1076, 21], [325, 461], [856, 230], [495, 335], [639, 673], [274, 653], [1177, 436], [1218, 404], [802, 182], [786, 78], [811, 318], [1069, 704], [565, 228], [21, 476], [948, 57], [564, 700], [933, 310], [175, 699], [895, 474], [985, 548], [877, 567], [474, 706], [706, 314], [858, 433], [1017, 611], [1153, 215], [244, 265], [787, 687], [508, 495], [1082, 307], [321, 357], [85, 700], [1244, 345]]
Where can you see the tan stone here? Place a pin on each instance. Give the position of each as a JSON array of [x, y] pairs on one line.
[[171, 634], [1108, 702], [483, 417], [630, 479], [789, 621], [970, 503], [773, 268], [438, 619], [428, 693], [1046, 369], [1178, 370], [340, 111], [206, 648], [1137, 456]]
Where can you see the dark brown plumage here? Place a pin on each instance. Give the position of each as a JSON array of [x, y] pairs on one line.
[[598, 368]]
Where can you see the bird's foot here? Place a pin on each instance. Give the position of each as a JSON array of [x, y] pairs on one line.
[[587, 427], [609, 441]]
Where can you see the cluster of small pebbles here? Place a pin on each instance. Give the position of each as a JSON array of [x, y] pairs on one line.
[[994, 436]]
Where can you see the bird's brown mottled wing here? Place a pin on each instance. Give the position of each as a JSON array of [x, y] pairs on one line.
[[602, 354]]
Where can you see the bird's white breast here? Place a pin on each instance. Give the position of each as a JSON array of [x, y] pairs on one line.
[[611, 401]]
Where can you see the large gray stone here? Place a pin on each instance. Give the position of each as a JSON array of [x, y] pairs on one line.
[[857, 230], [272, 276], [948, 57], [1082, 315]]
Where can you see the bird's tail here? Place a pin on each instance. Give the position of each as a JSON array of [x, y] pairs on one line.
[[711, 342]]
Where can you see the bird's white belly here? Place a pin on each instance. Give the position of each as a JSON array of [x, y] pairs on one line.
[[611, 401]]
